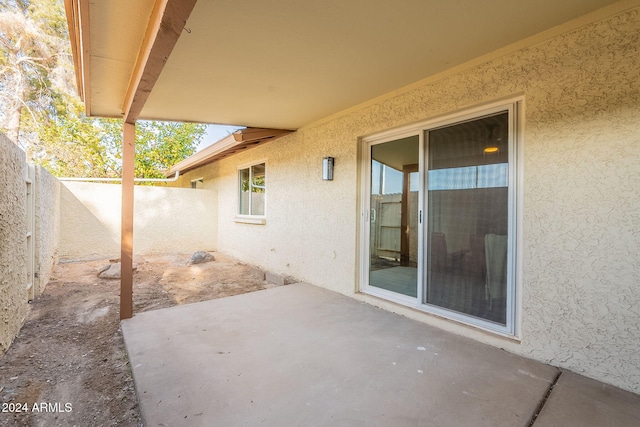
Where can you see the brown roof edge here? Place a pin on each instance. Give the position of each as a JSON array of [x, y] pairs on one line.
[[255, 134], [240, 140], [77, 12]]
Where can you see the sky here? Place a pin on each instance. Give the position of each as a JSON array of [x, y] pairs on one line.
[[216, 133]]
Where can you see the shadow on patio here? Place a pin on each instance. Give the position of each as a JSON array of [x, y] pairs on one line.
[[299, 355]]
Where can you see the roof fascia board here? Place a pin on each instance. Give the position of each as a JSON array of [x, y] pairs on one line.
[[85, 46], [256, 134], [227, 146], [77, 12], [70, 8], [202, 156]]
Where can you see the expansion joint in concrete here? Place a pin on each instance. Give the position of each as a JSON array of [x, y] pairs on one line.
[[544, 399]]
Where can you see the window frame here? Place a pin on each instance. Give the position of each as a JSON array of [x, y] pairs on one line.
[[250, 218]]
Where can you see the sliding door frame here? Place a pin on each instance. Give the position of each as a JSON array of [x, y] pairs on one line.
[[514, 106], [365, 218]]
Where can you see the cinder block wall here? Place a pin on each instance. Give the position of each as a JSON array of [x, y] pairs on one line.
[[13, 246]]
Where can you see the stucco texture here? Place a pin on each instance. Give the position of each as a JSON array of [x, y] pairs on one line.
[[580, 189], [47, 227], [166, 220], [13, 246]]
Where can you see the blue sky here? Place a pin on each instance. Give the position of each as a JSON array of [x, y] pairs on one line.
[[216, 133]]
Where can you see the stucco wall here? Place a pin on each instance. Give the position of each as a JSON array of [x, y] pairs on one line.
[[165, 220], [582, 203], [47, 227], [13, 247], [310, 224], [581, 193]]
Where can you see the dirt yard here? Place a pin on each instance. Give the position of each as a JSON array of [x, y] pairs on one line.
[[68, 366]]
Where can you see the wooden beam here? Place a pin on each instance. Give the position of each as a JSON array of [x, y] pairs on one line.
[[126, 239], [165, 26], [77, 12], [254, 134], [85, 47], [71, 12], [166, 23], [226, 147]]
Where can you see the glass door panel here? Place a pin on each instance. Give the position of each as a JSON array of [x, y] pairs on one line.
[[467, 217], [393, 233]]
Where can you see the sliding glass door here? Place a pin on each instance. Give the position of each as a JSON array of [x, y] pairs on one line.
[[467, 217], [440, 210], [393, 225]]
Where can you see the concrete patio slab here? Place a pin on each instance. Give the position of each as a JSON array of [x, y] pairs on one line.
[[299, 355], [581, 402]]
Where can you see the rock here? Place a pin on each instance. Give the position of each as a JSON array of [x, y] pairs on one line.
[[112, 271], [104, 268], [200, 257]]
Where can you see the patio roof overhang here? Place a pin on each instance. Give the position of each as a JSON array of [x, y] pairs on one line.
[[282, 64], [278, 64]]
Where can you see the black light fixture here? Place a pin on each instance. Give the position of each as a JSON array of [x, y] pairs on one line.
[[327, 168]]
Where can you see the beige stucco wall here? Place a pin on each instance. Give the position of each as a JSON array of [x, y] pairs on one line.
[[580, 303], [13, 247], [47, 227], [165, 220], [310, 227], [13, 230]]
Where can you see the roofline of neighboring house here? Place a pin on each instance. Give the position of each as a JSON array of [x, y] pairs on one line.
[[238, 141]]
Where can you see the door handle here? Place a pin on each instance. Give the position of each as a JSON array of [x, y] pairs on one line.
[[373, 215]]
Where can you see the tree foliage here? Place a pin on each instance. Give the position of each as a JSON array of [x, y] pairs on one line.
[[40, 110], [35, 66], [159, 145]]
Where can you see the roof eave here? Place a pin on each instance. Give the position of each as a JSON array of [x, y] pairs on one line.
[[228, 146], [77, 12]]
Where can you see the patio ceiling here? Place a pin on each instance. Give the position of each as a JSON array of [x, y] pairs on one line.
[[284, 64]]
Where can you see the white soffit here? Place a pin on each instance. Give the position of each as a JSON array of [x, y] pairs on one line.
[[117, 30], [283, 64]]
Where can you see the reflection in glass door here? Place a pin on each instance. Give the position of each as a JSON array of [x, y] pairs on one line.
[[393, 238]]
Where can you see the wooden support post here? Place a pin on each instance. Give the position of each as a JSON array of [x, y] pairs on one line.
[[163, 30], [126, 242]]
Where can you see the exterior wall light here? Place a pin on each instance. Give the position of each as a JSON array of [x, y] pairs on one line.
[[327, 168]]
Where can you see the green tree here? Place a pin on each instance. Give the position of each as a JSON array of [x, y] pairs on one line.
[[160, 145], [40, 110], [35, 66]]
